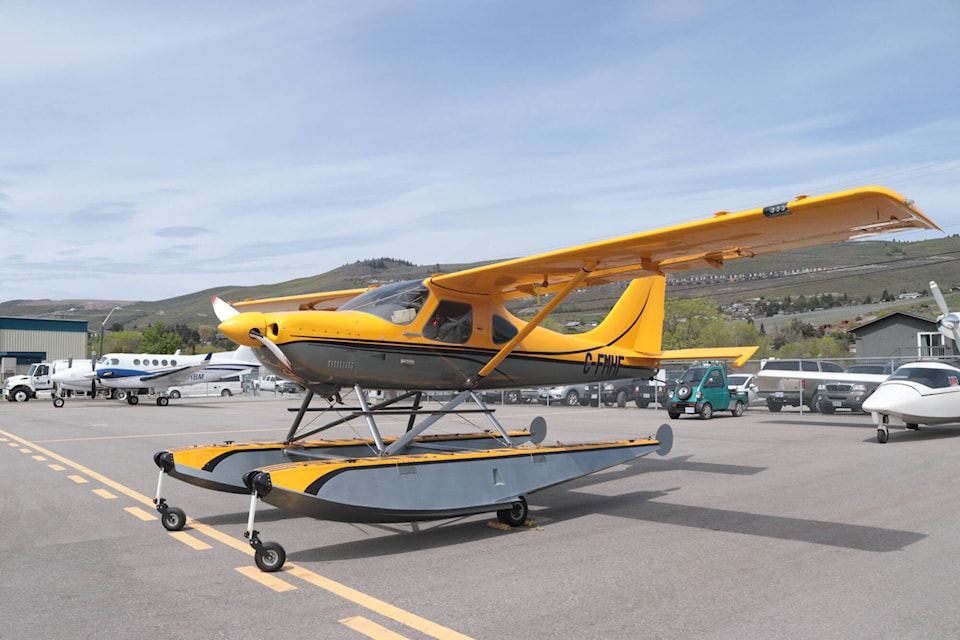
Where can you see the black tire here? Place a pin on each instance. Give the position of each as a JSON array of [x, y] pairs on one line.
[[173, 519], [270, 557], [572, 399], [673, 414], [516, 515], [882, 436], [774, 405], [824, 406], [175, 394], [738, 409], [643, 404], [58, 402], [163, 401], [706, 411], [119, 394], [225, 393], [20, 395], [684, 391], [132, 398], [621, 399]]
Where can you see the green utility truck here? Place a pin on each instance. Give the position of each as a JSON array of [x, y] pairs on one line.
[[703, 390]]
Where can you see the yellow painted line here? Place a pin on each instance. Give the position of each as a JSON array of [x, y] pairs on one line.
[[78, 479], [56, 467], [39, 458], [411, 620], [266, 579], [189, 540], [106, 495], [140, 513], [13, 444], [371, 629], [25, 451]]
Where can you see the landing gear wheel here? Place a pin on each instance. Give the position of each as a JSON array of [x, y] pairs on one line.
[[163, 401], [132, 398], [173, 518], [516, 515], [270, 557], [882, 436], [58, 402]]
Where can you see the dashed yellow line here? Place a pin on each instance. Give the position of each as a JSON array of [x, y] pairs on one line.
[[137, 512], [78, 479], [57, 467], [371, 629], [39, 458], [385, 609], [190, 541], [106, 495], [266, 579]]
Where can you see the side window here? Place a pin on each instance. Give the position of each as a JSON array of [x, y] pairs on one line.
[[808, 366], [503, 330], [451, 322], [713, 380], [831, 366]]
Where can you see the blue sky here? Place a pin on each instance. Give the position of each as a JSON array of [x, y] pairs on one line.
[[149, 150]]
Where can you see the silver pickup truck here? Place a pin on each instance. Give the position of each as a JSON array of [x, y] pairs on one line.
[[792, 389]]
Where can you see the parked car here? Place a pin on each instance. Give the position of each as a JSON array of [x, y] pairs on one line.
[[743, 382], [619, 392], [792, 391], [509, 396], [658, 389], [842, 394], [570, 395], [225, 388], [278, 384], [702, 391]]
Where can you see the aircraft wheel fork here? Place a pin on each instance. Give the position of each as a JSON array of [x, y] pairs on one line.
[[269, 556], [516, 515]]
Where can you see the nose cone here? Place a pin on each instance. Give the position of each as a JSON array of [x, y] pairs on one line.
[[238, 328], [891, 396]]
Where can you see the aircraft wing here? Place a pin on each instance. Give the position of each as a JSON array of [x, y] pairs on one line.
[[805, 221], [328, 301]]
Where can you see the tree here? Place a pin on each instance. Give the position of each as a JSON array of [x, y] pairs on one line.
[[157, 339]]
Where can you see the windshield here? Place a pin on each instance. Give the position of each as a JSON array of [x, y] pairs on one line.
[[932, 377], [693, 375], [398, 303]]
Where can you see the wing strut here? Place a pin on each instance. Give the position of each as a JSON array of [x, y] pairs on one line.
[[508, 348]]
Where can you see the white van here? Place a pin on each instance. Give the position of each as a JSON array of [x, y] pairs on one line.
[[225, 387]]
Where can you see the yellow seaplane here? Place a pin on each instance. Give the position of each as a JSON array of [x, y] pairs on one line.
[[453, 332]]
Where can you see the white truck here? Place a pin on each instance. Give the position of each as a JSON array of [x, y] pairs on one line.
[[21, 388]]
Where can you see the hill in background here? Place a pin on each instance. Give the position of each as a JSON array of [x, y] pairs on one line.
[[856, 269]]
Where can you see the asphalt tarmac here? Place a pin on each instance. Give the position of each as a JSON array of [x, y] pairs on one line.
[[782, 525]]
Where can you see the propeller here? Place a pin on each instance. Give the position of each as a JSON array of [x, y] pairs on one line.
[[949, 323], [235, 325], [93, 378]]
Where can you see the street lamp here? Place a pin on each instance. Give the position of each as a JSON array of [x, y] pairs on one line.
[[102, 324]]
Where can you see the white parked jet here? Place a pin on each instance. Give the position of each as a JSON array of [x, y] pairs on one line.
[[131, 372]]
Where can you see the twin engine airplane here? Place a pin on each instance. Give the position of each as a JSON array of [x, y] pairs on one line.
[[128, 373], [453, 332]]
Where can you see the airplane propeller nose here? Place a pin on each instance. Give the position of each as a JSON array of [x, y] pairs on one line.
[[240, 327]]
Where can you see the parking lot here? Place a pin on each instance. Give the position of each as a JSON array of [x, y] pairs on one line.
[[783, 525]]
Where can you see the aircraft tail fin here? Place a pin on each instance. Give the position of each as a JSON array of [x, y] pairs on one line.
[[636, 320], [244, 353]]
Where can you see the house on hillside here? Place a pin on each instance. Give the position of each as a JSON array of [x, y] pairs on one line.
[[902, 337]]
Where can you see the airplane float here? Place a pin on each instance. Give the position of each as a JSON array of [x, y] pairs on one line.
[[920, 392], [453, 332], [127, 373]]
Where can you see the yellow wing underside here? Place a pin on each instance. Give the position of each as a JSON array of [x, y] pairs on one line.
[[803, 222]]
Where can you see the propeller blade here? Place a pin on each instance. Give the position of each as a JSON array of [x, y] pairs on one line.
[[271, 347], [222, 309], [935, 290], [93, 378]]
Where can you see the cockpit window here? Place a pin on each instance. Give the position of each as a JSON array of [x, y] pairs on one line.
[[930, 377], [503, 330], [451, 322], [398, 303]]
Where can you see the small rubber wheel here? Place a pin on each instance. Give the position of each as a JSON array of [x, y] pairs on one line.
[[673, 414], [58, 402], [270, 557], [163, 401], [516, 515], [173, 519], [706, 411], [132, 398], [882, 436]]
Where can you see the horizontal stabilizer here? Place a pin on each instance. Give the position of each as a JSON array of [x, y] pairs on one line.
[[739, 355]]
